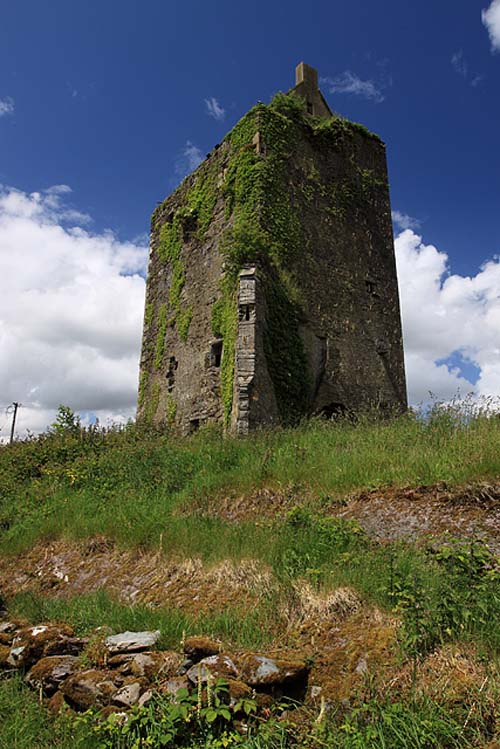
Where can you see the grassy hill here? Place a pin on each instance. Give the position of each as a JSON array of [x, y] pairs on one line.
[[368, 547]]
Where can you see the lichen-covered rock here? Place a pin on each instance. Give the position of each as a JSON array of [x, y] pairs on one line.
[[238, 690], [4, 656], [89, 688], [132, 642], [220, 666], [261, 671], [120, 661], [196, 648], [56, 703], [6, 627], [32, 643], [49, 672], [172, 686], [155, 665], [128, 695]]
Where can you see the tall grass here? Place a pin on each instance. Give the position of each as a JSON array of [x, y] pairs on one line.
[[130, 484]]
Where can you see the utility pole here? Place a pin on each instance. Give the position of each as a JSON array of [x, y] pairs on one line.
[[14, 408]]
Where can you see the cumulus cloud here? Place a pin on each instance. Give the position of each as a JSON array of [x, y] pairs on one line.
[[6, 106], [71, 305], [491, 19], [214, 109], [350, 83], [447, 317]]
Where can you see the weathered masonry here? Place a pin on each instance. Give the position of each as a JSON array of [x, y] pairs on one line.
[[272, 290]]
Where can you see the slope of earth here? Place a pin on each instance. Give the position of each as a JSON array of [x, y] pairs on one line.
[[386, 514]]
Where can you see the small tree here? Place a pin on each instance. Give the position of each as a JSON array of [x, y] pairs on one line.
[[67, 422]]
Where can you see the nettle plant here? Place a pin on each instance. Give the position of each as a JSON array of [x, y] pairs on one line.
[[205, 717]]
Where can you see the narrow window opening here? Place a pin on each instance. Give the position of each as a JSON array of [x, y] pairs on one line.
[[172, 367], [216, 354], [309, 107], [194, 425], [371, 288], [245, 312]]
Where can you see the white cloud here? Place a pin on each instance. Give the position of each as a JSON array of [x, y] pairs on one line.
[[71, 305], [491, 19], [6, 106], [461, 67], [214, 109], [444, 314], [403, 221], [350, 83], [190, 158], [459, 63]]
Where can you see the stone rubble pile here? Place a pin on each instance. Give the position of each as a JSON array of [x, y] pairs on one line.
[[115, 672]]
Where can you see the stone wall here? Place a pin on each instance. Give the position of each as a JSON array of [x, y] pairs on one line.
[[284, 235]]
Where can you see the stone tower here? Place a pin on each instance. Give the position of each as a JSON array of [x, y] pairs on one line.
[[272, 290]]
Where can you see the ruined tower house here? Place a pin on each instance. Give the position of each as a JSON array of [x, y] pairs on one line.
[[272, 291]]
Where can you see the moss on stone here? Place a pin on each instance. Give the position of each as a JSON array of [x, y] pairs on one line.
[[160, 335], [171, 410], [224, 322], [143, 385], [152, 402], [184, 317], [148, 313], [267, 231]]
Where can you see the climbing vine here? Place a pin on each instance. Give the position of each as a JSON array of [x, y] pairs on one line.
[[160, 335]]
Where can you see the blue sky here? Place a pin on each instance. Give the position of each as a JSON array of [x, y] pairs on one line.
[[111, 99]]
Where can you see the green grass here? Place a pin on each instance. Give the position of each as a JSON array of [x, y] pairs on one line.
[[129, 484], [149, 490], [245, 629]]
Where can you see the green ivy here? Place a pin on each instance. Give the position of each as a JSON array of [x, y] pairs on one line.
[[160, 335], [171, 410], [143, 384], [152, 403], [224, 322]]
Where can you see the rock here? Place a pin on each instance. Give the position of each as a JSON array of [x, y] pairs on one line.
[[262, 671], [4, 656], [362, 666], [49, 672], [145, 697], [196, 648], [88, 689], [128, 695], [8, 627], [121, 661], [56, 703], [315, 692], [220, 666], [132, 642], [237, 691], [185, 666], [172, 686], [32, 643], [154, 665]]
